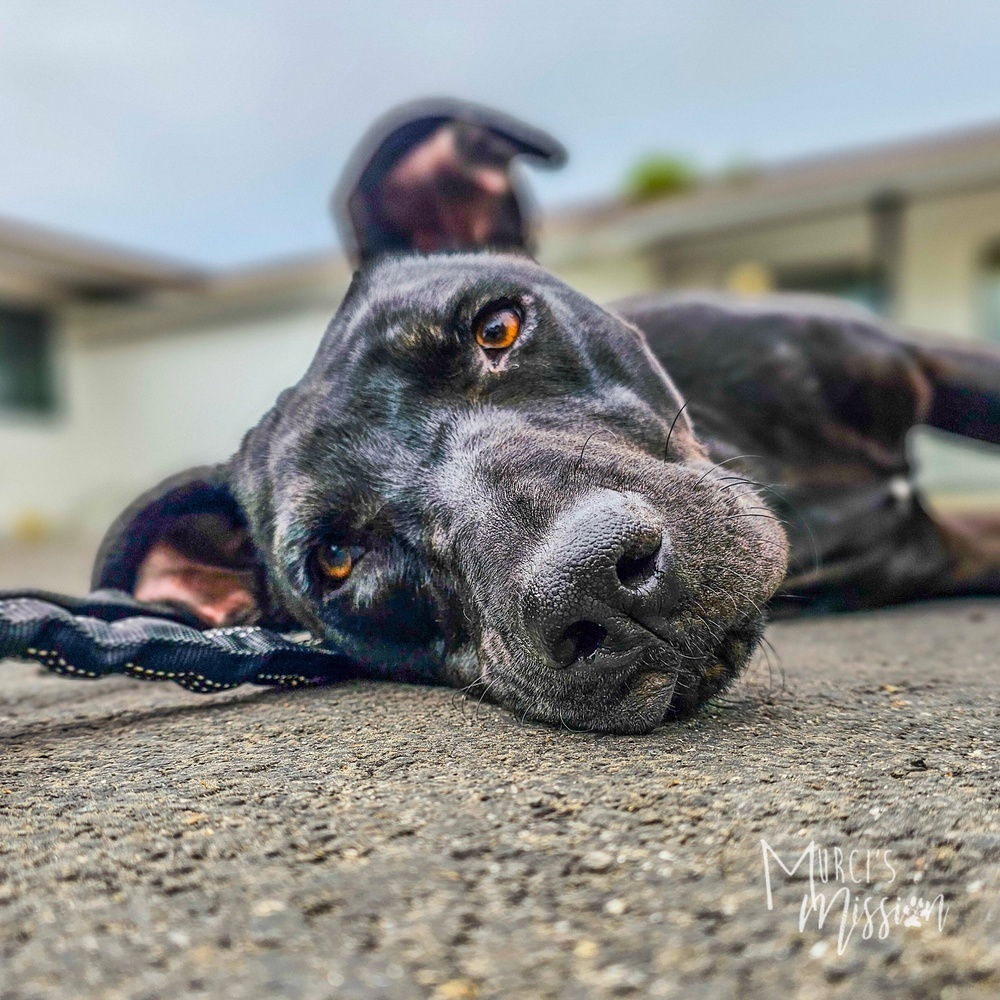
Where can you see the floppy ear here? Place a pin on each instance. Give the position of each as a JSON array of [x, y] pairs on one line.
[[440, 175], [175, 565], [185, 544]]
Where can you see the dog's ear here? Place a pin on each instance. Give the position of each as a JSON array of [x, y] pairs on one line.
[[176, 563], [186, 544], [438, 176]]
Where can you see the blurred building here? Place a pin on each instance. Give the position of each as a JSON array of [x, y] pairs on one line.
[[910, 230], [117, 368]]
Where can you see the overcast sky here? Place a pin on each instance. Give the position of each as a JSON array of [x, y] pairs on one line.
[[212, 131]]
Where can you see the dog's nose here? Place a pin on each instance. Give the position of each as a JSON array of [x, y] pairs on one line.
[[602, 574]]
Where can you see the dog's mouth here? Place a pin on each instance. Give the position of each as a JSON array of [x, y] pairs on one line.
[[629, 692]]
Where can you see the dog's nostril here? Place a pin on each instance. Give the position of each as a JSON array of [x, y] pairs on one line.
[[580, 640], [637, 566]]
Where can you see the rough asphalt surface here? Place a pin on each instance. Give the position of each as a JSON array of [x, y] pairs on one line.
[[390, 841]]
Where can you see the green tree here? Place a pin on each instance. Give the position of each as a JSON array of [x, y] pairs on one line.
[[659, 175]]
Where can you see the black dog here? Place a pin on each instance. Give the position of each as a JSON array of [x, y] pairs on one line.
[[485, 475], [486, 479]]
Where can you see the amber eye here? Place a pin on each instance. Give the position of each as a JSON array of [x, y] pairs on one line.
[[335, 562], [498, 327]]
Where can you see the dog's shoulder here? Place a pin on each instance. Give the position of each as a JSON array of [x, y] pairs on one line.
[[795, 360], [676, 320]]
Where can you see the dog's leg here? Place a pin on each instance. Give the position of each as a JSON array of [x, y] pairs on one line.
[[972, 542], [928, 554], [965, 384]]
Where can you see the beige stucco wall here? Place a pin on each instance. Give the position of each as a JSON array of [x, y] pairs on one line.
[[945, 239], [709, 260], [136, 409], [605, 280]]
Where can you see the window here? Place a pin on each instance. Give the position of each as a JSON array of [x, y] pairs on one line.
[[989, 293], [863, 285], [25, 362]]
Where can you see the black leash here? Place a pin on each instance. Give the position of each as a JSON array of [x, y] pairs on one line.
[[108, 632]]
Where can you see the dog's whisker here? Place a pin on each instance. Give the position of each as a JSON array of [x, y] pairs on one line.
[[756, 606], [458, 700], [673, 424], [565, 725], [718, 465], [479, 703], [766, 645], [462, 694], [740, 482], [770, 645], [743, 597], [800, 518], [593, 434]]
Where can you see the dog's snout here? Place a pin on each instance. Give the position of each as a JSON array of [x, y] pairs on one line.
[[604, 568]]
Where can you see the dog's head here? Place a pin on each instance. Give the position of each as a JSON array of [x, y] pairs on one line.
[[481, 466]]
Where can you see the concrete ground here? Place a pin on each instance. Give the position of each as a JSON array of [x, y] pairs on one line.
[[390, 841]]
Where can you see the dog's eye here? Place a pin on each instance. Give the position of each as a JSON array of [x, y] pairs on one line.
[[497, 327], [336, 561]]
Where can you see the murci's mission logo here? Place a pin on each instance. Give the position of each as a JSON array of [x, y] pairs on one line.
[[838, 892]]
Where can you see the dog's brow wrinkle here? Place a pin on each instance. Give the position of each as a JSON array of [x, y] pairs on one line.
[[409, 336]]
